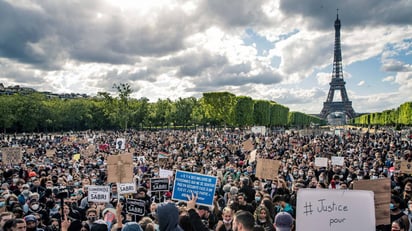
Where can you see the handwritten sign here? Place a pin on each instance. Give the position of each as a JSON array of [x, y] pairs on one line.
[[135, 207], [338, 210], [321, 162], [267, 169], [164, 173], [159, 184], [338, 160], [98, 193], [187, 183], [11, 155], [125, 188], [120, 168], [382, 190]]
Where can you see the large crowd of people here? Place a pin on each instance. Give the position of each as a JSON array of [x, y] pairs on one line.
[[47, 189]]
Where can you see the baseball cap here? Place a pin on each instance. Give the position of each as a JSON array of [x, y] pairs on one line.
[[29, 218], [283, 221]]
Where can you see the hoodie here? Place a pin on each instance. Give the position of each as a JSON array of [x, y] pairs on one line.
[[168, 215]]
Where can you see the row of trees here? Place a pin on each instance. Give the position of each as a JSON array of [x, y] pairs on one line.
[[395, 117], [37, 112]]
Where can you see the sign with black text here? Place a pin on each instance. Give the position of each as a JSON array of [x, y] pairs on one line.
[[159, 184], [125, 188], [338, 210], [98, 193]]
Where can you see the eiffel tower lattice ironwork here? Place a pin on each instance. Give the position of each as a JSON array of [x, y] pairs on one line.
[[337, 83]]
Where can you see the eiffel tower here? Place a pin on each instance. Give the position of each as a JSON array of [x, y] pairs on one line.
[[337, 83]]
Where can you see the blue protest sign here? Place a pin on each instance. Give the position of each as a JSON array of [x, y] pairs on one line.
[[187, 183]]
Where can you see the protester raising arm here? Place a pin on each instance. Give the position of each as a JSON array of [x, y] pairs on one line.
[[195, 219]]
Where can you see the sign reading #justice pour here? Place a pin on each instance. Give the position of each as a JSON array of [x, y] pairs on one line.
[[187, 183], [338, 210]]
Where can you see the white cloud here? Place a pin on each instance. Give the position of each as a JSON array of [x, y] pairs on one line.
[[388, 79], [361, 83]]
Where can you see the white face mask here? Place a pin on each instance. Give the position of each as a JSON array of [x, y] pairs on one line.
[[35, 207], [227, 221]]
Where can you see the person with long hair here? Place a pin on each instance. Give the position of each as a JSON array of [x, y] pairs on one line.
[[262, 218]]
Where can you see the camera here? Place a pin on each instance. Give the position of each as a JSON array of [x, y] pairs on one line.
[[63, 192]]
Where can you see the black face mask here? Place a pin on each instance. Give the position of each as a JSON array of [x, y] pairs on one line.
[[91, 219]]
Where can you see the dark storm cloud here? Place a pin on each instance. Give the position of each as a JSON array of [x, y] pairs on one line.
[[19, 28], [51, 32], [353, 13]]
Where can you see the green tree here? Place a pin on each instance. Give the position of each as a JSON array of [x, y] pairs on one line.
[[219, 106], [184, 108], [7, 115], [261, 112], [244, 111]]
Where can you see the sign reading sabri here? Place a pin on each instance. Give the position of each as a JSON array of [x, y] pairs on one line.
[[187, 183], [98, 193], [338, 210]]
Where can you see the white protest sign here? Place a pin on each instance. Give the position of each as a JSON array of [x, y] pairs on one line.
[[164, 173], [337, 210], [98, 193], [252, 156], [121, 143], [321, 162], [141, 159], [338, 160], [125, 188]]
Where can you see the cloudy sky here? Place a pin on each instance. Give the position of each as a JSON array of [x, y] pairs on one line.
[[280, 50]]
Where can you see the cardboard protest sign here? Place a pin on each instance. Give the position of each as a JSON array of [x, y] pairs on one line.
[[11, 155], [338, 160], [321, 162], [88, 151], [164, 173], [121, 143], [159, 184], [338, 210], [98, 193], [202, 185], [248, 145], [406, 167], [267, 169], [125, 188], [120, 168], [50, 152], [135, 207], [382, 191]]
